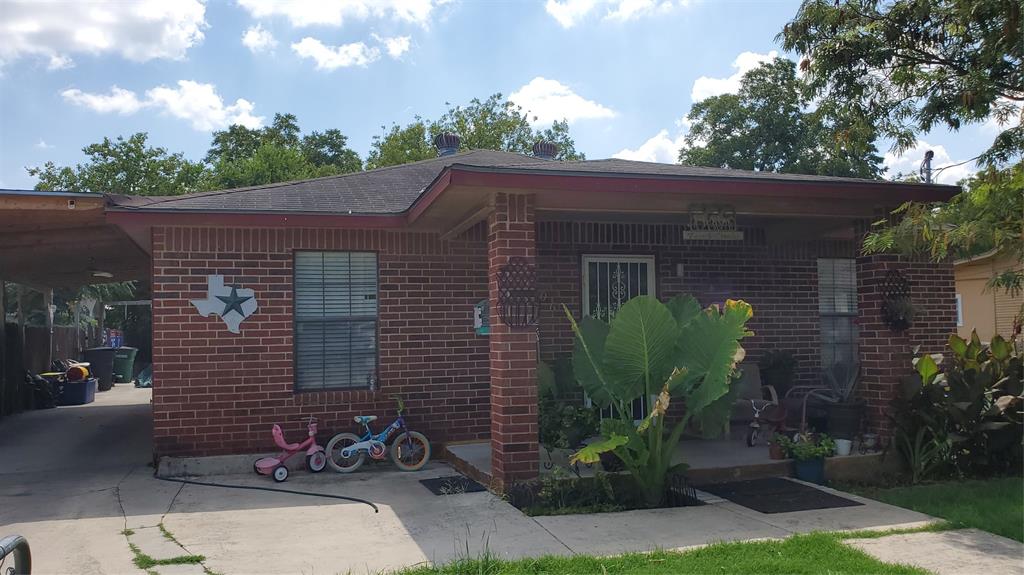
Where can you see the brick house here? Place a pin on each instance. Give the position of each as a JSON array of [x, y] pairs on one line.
[[366, 286]]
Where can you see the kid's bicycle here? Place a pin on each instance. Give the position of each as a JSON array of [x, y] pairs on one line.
[[410, 450]]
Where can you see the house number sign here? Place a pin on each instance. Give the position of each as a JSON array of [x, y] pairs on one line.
[[712, 222], [232, 304]]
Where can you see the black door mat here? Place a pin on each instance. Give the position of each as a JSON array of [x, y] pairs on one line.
[[451, 485], [777, 495]]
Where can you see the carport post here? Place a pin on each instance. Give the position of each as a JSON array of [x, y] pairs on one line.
[[3, 346]]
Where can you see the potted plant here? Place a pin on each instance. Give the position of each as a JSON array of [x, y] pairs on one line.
[[777, 370], [845, 412], [809, 452], [899, 313]]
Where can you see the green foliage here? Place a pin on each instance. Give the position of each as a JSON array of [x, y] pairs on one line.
[[242, 156], [966, 417], [988, 215], [491, 124], [400, 146], [653, 349], [906, 67], [769, 126], [123, 166], [562, 420], [809, 446]]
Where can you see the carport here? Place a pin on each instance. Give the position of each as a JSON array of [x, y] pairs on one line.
[[55, 240]]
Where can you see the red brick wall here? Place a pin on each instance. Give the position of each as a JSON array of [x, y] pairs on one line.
[[780, 280], [886, 355], [216, 392]]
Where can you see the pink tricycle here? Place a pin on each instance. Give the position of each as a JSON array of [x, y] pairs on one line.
[[316, 459]]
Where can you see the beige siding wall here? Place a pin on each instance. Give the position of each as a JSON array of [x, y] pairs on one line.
[[988, 311]]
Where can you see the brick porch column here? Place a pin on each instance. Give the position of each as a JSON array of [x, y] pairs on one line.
[[885, 355], [513, 351]]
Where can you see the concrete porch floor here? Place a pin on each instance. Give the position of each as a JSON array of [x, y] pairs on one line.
[[710, 461]]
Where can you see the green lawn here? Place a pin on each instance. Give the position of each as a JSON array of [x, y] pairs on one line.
[[993, 505], [814, 553]]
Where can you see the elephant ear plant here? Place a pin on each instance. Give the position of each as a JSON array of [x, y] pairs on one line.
[[669, 352]]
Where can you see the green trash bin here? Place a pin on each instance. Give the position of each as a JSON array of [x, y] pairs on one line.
[[124, 363]]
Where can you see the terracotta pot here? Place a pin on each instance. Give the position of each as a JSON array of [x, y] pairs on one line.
[[775, 451]]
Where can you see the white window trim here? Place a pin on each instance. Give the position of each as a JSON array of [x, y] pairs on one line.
[[959, 311]]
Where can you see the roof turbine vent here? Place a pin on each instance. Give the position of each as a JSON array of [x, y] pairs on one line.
[[447, 144], [545, 150]]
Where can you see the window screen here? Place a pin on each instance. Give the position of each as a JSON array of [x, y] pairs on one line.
[[335, 320], [837, 307]]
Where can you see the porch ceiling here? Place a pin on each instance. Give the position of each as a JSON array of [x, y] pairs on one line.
[[53, 239]]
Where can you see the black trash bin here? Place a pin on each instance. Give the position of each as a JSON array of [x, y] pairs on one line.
[[101, 365]]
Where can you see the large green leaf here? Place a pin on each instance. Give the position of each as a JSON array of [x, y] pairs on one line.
[[641, 347], [684, 308], [587, 358], [592, 453], [711, 349], [926, 368]]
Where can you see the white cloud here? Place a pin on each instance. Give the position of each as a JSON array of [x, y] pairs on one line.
[[335, 12], [705, 87], [201, 106], [395, 46], [138, 30], [546, 101], [910, 162], [257, 39], [333, 57], [197, 103], [568, 13], [119, 101], [42, 145], [660, 148], [1006, 110]]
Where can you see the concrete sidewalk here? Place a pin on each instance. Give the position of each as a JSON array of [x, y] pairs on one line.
[[949, 552]]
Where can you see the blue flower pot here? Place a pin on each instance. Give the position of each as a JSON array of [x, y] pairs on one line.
[[811, 470]]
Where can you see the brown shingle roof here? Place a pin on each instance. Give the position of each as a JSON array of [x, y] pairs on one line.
[[393, 190]]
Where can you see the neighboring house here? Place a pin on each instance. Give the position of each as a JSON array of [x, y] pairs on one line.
[[989, 311], [359, 287]]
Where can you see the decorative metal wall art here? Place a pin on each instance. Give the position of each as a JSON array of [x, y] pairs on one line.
[[897, 308], [712, 222], [232, 304], [517, 294]]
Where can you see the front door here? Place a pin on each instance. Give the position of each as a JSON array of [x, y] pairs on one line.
[[610, 281]]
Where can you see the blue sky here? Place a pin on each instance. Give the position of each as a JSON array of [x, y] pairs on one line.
[[624, 72]]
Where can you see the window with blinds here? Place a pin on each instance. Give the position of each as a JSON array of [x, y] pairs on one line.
[[837, 308], [335, 320]]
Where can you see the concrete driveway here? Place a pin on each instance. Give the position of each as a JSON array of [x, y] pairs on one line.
[[60, 470]]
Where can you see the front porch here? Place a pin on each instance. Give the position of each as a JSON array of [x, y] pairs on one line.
[[798, 265]]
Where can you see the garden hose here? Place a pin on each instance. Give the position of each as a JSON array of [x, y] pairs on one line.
[[258, 488]]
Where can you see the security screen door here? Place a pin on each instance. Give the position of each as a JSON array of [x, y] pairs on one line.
[[609, 282]]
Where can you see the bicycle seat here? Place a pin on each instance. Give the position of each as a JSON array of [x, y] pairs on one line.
[[364, 419]]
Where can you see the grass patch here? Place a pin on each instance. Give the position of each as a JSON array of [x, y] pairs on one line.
[[127, 532], [801, 554], [935, 527], [145, 562], [993, 505]]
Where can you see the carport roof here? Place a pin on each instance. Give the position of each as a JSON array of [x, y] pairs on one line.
[[62, 239]]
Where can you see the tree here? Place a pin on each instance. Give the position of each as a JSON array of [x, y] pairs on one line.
[[491, 124], [988, 215], [241, 156], [767, 126], [907, 66], [401, 146], [125, 167]]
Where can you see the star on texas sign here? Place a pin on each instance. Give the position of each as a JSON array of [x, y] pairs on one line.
[[231, 303]]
